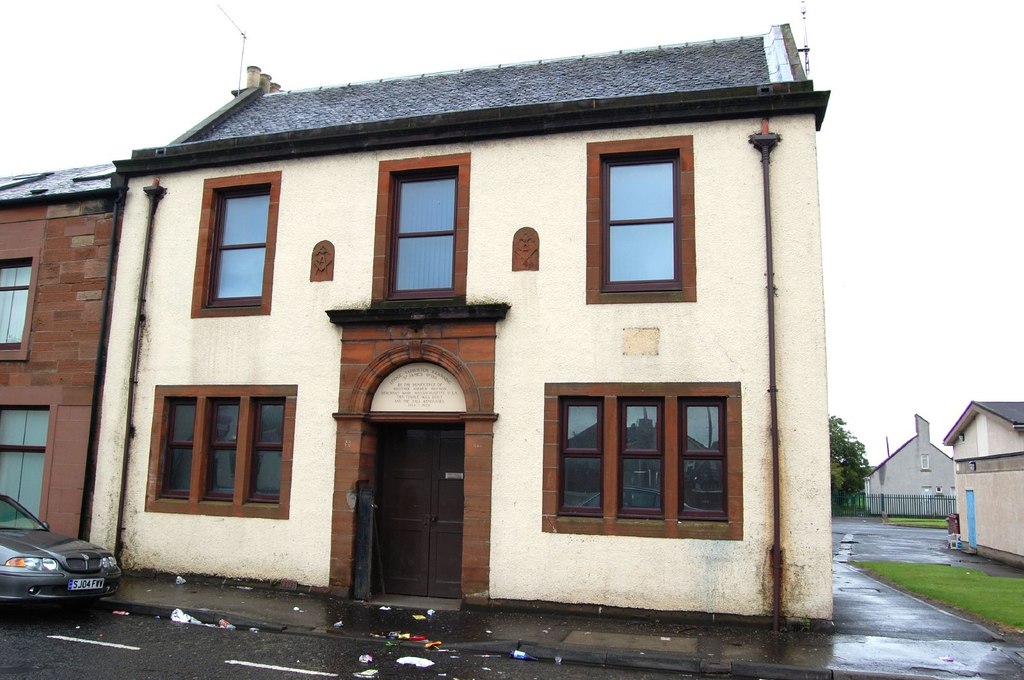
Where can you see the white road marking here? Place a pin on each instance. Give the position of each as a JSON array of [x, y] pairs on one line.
[[279, 668], [93, 642]]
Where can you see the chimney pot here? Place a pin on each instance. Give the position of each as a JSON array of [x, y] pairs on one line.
[[265, 82], [274, 87], [252, 77]]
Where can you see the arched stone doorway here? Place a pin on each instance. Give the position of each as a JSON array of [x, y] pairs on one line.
[[374, 344]]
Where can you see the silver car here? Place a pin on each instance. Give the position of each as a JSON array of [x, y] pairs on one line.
[[37, 565]]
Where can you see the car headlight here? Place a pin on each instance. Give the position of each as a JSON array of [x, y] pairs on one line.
[[33, 563], [108, 562]]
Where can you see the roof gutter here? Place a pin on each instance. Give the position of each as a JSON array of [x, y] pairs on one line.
[[765, 143], [58, 197], [154, 193], [464, 126]]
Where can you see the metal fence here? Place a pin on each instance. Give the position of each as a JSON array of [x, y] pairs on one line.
[[892, 505]]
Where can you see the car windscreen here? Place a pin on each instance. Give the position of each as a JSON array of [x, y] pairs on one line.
[[12, 517]]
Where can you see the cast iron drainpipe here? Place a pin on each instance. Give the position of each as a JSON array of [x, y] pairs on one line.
[[765, 142], [85, 516], [154, 192]]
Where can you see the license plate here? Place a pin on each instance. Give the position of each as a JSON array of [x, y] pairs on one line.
[[85, 583]]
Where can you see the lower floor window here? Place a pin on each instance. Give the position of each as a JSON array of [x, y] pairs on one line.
[[22, 452], [668, 454], [223, 449]]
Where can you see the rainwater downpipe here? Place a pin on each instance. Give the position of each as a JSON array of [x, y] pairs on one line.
[[88, 486], [765, 142], [154, 192]]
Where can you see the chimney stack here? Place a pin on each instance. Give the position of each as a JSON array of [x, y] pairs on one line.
[[252, 77]]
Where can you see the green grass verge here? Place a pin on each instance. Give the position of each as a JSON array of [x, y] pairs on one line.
[[931, 522], [990, 597]]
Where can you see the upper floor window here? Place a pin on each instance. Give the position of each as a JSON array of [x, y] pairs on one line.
[[15, 278], [422, 228], [925, 462], [424, 236], [640, 221], [237, 242]]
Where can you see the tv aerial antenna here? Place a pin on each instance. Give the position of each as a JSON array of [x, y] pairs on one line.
[[805, 50], [241, 59]]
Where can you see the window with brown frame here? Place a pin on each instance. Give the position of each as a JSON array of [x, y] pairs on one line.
[[222, 450], [641, 453], [422, 228], [16, 293], [177, 470], [23, 435], [640, 221], [616, 441], [702, 459], [237, 243], [580, 442]]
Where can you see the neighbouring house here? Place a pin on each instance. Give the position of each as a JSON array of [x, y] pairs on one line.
[[917, 468], [57, 232], [522, 311], [988, 448]]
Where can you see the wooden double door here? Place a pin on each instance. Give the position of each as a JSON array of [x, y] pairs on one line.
[[421, 510]]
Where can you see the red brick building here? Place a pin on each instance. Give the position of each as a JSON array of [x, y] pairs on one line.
[[56, 231]]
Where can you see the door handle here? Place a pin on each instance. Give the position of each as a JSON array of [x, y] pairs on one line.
[[433, 519]]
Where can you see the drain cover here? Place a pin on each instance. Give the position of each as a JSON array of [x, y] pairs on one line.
[[860, 590]]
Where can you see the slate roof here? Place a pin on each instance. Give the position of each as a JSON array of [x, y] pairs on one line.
[[750, 77], [739, 62], [68, 182], [1013, 411], [1010, 411]]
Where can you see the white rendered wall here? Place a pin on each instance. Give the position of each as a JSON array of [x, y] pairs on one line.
[[550, 335]]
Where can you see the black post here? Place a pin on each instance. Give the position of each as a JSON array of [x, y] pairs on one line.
[[364, 541]]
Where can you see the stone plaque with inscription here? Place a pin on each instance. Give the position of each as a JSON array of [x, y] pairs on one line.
[[419, 387]]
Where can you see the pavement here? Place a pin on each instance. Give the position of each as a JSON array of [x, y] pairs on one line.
[[878, 632]]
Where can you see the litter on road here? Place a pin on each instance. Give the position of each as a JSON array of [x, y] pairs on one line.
[[179, 616], [521, 655], [415, 661]]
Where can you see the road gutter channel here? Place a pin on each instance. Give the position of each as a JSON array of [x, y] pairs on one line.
[[620, 658]]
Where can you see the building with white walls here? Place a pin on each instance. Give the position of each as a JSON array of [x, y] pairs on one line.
[[524, 308], [988, 448]]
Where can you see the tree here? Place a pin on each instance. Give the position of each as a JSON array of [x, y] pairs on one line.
[[849, 466]]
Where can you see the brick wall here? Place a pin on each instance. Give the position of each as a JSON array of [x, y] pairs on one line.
[[69, 245]]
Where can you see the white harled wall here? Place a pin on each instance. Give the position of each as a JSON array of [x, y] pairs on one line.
[[550, 335]]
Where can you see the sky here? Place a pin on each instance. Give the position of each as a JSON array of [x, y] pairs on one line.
[[918, 174]]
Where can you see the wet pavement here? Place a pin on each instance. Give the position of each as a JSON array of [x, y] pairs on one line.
[[878, 631]]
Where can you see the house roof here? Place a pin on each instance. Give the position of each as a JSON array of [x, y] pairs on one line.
[[740, 77], [52, 185], [678, 68], [903, 446], [1010, 411]]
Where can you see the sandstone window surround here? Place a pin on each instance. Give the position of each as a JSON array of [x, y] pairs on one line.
[[643, 459], [234, 273], [222, 450]]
